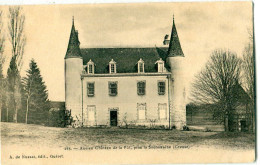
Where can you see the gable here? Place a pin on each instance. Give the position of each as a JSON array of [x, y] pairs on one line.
[[126, 58]]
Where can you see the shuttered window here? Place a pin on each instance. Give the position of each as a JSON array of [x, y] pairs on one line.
[[91, 89], [141, 88]]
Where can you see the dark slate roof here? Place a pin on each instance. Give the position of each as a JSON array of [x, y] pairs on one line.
[[240, 94], [174, 46], [73, 49], [126, 58]]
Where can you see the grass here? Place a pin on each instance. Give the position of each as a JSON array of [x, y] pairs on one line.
[[35, 135]]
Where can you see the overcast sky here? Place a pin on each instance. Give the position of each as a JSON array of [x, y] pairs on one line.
[[202, 28]]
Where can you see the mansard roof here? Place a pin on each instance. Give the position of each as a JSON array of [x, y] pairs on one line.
[[126, 58]]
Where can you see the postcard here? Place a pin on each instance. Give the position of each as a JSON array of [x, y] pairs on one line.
[[128, 83]]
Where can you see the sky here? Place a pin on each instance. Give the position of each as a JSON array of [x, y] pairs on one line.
[[202, 27]]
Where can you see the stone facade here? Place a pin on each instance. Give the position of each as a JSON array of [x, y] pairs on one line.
[[125, 86]]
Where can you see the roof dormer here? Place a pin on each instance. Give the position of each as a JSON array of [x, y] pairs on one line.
[[112, 66], [90, 67], [160, 66], [140, 65]]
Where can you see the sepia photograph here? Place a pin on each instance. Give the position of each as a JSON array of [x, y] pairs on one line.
[[128, 83]]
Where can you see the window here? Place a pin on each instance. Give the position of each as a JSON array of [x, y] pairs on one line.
[[112, 88], [162, 109], [91, 89], [160, 65], [140, 66], [91, 115], [141, 88], [90, 65], [112, 66], [141, 111], [90, 68], [161, 87]]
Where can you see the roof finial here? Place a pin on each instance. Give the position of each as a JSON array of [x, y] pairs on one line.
[[173, 16], [73, 19]]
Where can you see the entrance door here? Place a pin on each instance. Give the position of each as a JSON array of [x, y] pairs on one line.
[[243, 126], [113, 118]]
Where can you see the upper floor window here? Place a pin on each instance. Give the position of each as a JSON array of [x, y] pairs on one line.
[[91, 89], [141, 88], [140, 66], [112, 88], [160, 65], [161, 87], [90, 66], [112, 66]]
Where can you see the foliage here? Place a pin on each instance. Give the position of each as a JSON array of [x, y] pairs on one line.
[[13, 91], [249, 76], [59, 118], [16, 33], [2, 80], [217, 82], [36, 95]]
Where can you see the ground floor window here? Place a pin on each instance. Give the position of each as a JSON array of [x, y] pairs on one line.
[[141, 111], [91, 114], [162, 109]]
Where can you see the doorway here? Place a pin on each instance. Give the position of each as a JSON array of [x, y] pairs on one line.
[[243, 126], [113, 118]]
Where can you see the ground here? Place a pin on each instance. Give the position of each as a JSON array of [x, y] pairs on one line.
[[187, 146], [23, 134]]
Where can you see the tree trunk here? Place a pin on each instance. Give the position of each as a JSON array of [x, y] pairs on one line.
[[15, 110], [7, 113], [27, 110], [226, 123]]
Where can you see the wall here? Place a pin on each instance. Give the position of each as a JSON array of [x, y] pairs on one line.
[[126, 99], [177, 83], [73, 69]]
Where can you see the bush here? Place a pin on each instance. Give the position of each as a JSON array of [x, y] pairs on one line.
[[59, 118], [185, 128]]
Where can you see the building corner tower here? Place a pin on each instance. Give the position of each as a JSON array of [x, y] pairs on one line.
[[175, 61], [73, 70]]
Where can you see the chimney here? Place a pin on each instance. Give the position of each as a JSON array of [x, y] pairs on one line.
[[166, 40]]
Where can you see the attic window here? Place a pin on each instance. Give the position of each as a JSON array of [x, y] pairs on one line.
[[140, 66], [160, 65], [112, 66], [90, 65]]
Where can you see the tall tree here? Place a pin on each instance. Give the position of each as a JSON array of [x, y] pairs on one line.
[[2, 60], [249, 74], [18, 40], [16, 33], [216, 83], [14, 90], [37, 104]]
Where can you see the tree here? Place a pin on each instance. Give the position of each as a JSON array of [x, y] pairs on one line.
[[14, 90], [249, 74], [216, 83], [16, 33], [37, 104], [18, 40], [2, 60]]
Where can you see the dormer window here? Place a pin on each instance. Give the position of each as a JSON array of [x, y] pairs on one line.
[[90, 66], [160, 65], [112, 66], [140, 66]]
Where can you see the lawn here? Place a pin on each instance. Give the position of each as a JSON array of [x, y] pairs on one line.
[[35, 135]]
